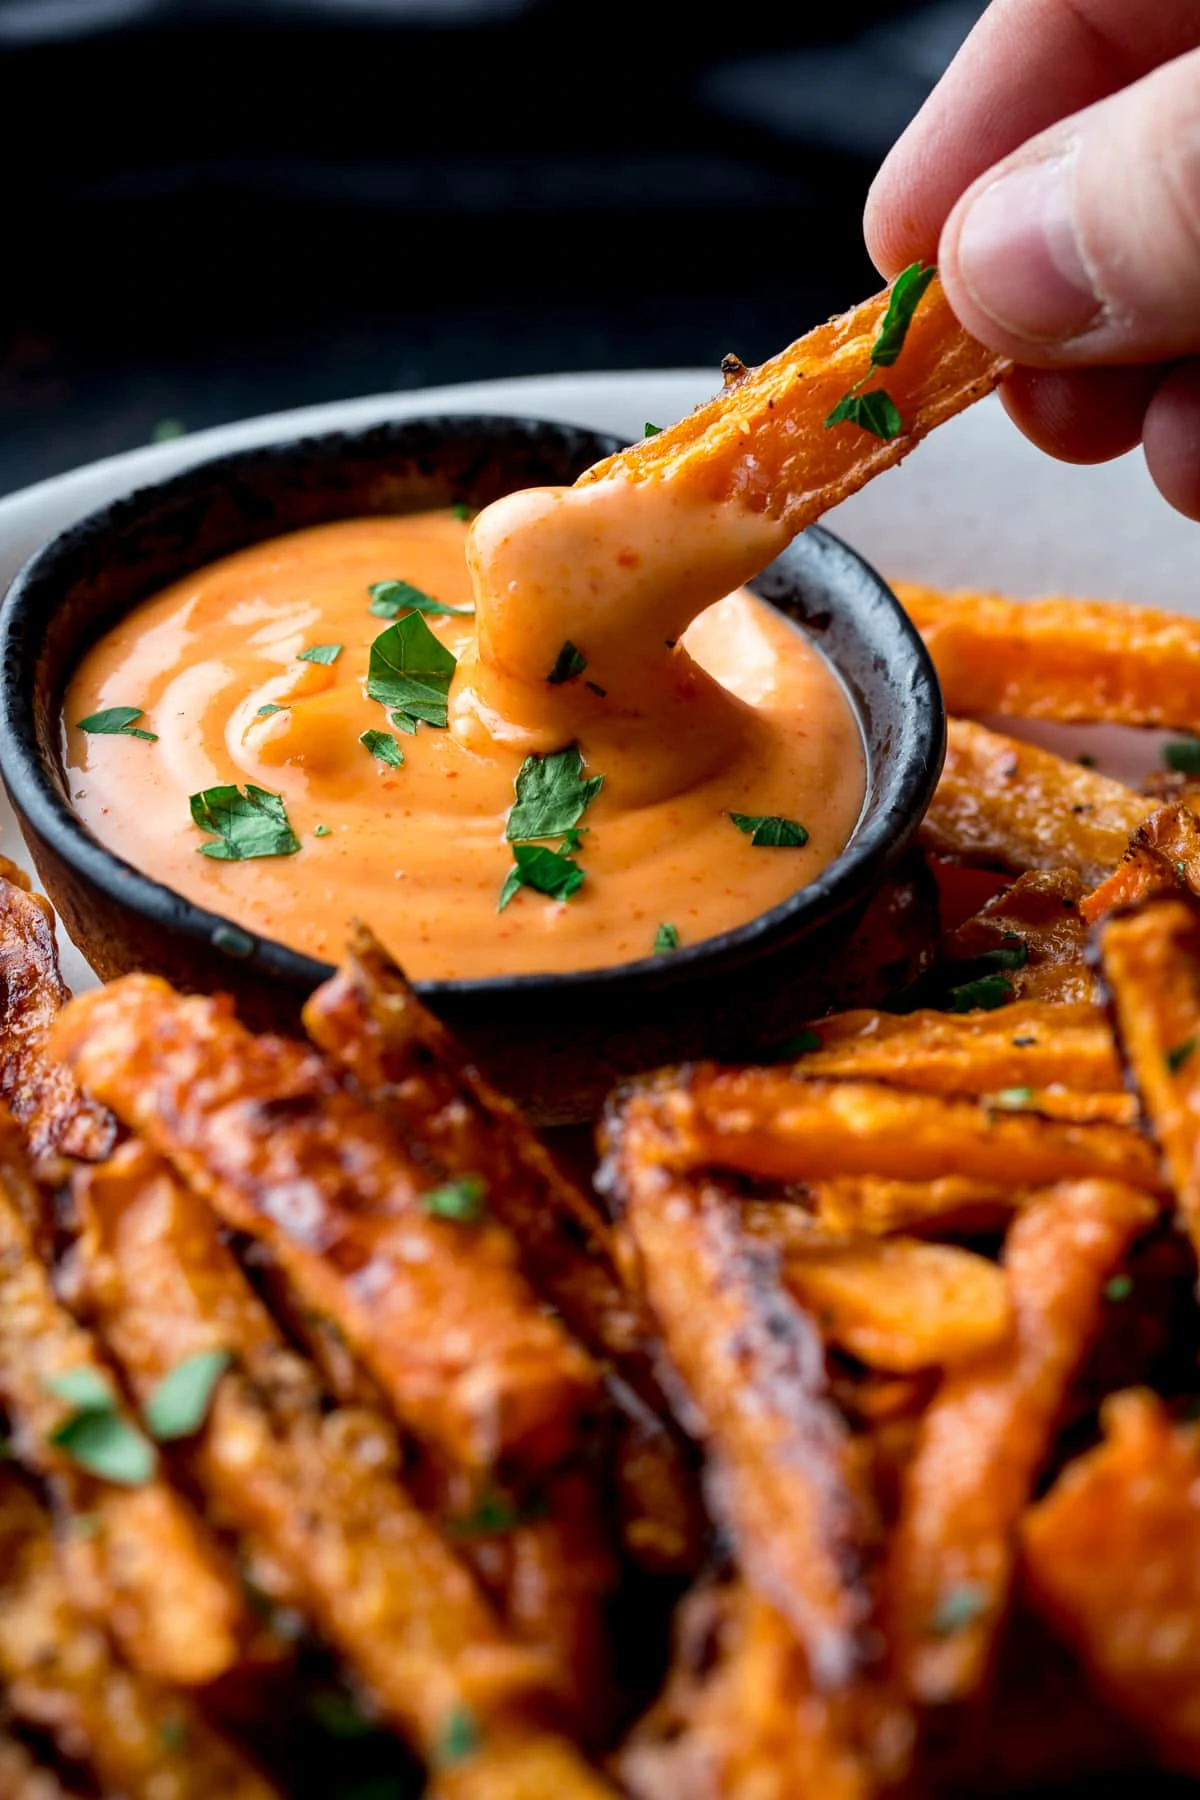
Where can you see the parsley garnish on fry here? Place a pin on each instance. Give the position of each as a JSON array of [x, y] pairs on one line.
[[117, 721], [461, 1200], [245, 825], [569, 663], [1182, 755], [1119, 1288], [984, 995], [958, 1607], [410, 669], [180, 1403], [95, 1436], [769, 831], [876, 411], [1178, 1054]]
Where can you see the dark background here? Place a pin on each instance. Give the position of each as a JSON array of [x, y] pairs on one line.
[[215, 208]]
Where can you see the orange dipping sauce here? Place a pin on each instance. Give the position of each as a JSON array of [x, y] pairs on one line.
[[736, 714]]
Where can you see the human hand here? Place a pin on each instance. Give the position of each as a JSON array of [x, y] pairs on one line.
[[1054, 175]]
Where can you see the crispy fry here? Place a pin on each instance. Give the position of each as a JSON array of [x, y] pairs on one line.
[[1039, 915], [1152, 964], [949, 1205], [1056, 658], [764, 443], [739, 1718], [23, 1779], [894, 1303], [319, 1488], [144, 1741], [286, 1150], [39, 1092], [148, 1567], [767, 1122], [1027, 1045], [1009, 805], [986, 1435], [749, 1363], [1162, 857], [1112, 1558]]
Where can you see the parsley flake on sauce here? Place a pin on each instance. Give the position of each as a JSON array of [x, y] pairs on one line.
[[569, 663], [117, 721], [666, 939], [383, 745], [410, 670], [552, 796], [391, 598], [876, 411], [462, 1201], [549, 872], [245, 825], [321, 653], [180, 1403], [265, 712], [769, 831]]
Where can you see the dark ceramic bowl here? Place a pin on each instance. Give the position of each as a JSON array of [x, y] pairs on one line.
[[556, 1042]]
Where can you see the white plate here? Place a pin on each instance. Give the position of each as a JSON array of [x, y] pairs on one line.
[[975, 506]]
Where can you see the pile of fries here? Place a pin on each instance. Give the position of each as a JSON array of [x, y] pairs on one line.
[[850, 1451]]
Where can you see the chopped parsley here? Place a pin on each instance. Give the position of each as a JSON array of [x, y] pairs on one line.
[[462, 1200], [650, 430], [1178, 1054], [167, 430], [264, 712], [95, 1435], [322, 831], [410, 670], [462, 511], [117, 721], [770, 831], [549, 872], [493, 1513], [383, 745], [799, 1044], [391, 598], [876, 411], [459, 1740], [1183, 755], [958, 1607], [174, 1736], [984, 995], [338, 1714], [1119, 1288], [180, 1403], [666, 938], [569, 663], [321, 653], [953, 986], [1012, 1099], [552, 796], [245, 825]]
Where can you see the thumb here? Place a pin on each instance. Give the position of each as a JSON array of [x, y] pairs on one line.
[[1084, 246]]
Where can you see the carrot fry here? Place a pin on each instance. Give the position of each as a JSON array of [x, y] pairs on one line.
[[144, 1741], [741, 1721], [1027, 1045], [318, 1488], [767, 1122], [286, 1150], [40, 1093], [1112, 1558], [764, 441], [1152, 964], [894, 1303], [1056, 658], [1009, 805], [987, 1433], [146, 1566], [1163, 857]]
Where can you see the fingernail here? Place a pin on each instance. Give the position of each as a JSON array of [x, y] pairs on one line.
[[1018, 253]]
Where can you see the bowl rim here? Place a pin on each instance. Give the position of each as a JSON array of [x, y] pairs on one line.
[[883, 829]]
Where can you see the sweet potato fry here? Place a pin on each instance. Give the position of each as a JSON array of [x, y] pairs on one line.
[[1039, 919], [767, 1122], [1027, 1045], [1112, 1558], [143, 1741], [39, 1092], [738, 1717], [749, 1363], [1163, 857], [947, 1206], [1057, 658], [1152, 964], [539, 1767], [1009, 805], [894, 1303], [987, 1433], [287, 1150], [318, 1487], [23, 1779], [764, 441], [147, 1567]]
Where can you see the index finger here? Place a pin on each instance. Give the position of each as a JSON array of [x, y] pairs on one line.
[[1027, 64]]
